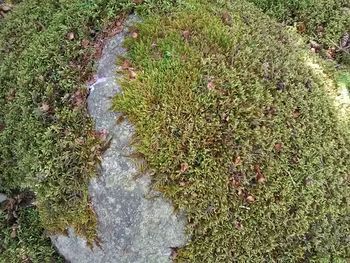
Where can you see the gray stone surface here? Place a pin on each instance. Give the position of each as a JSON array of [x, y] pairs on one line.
[[132, 227], [2, 197]]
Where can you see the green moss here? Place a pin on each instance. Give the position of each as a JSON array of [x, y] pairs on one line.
[[238, 123], [325, 21], [47, 140], [27, 243]]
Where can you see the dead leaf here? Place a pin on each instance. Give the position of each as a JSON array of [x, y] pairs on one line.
[[331, 53], [240, 191], [132, 74], [184, 167], [85, 43], [296, 113], [234, 183], [70, 36], [137, 2], [45, 107], [5, 7], [78, 98], [238, 161], [301, 27], [134, 35], [174, 253], [238, 225], [226, 18], [259, 175], [14, 232], [126, 65], [112, 32], [186, 34], [121, 119], [316, 46], [278, 147], [250, 199], [211, 85], [320, 30]]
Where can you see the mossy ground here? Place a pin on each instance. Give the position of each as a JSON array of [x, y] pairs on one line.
[[325, 22], [25, 241], [239, 131], [47, 140], [236, 120]]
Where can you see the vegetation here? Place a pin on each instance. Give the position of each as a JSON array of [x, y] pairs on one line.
[[47, 140], [238, 122], [233, 114], [325, 21], [25, 241]]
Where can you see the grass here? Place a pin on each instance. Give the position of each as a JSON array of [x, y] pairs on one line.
[[237, 121]]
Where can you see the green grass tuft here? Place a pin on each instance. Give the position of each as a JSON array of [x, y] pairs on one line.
[[237, 121]]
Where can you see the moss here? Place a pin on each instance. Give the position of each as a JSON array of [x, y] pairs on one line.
[[323, 21], [47, 139], [25, 241], [237, 121]]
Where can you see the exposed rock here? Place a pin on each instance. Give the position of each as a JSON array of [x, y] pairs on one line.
[[132, 227], [2, 197]]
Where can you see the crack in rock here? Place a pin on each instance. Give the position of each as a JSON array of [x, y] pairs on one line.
[[132, 228]]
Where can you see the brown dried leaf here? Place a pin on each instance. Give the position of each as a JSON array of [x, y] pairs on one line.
[[278, 147], [182, 183], [226, 18], [301, 27], [211, 85], [296, 113], [5, 7], [85, 43], [134, 35], [78, 98], [238, 161], [250, 199], [132, 74], [260, 177], [126, 65], [137, 2], [14, 232], [114, 31], [186, 34], [331, 53], [234, 183], [238, 225], [45, 107], [184, 167], [315, 45], [174, 253], [70, 35]]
